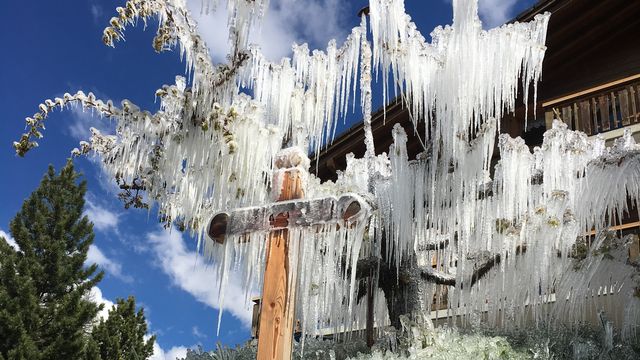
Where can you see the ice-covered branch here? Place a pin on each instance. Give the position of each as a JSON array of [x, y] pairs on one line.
[[35, 124], [432, 275]]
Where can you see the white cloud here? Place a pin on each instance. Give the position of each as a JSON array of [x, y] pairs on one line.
[[96, 11], [96, 256], [286, 22], [176, 352], [102, 218], [197, 333], [198, 280], [96, 296], [10, 240], [85, 119], [495, 12]]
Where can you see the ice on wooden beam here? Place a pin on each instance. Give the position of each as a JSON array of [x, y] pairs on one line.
[[325, 255]]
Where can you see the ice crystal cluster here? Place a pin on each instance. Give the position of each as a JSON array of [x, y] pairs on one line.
[[503, 240]]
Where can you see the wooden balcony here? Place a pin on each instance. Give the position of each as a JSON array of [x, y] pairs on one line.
[[600, 109]]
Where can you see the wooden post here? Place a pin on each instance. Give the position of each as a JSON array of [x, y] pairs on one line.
[[275, 327], [370, 312], [278, 295]]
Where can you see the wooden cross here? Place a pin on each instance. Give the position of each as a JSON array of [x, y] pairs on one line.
[[276, 324]]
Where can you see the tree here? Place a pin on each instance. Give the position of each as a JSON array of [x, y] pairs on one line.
[[122, 334], [44, 310]]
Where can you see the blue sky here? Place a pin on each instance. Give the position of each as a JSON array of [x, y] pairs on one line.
[[53, 47]]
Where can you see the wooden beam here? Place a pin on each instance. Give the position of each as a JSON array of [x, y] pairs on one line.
[[278, 292], [630, 225], [370, 312], [634, 250]]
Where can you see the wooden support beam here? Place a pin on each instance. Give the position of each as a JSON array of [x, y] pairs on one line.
[[634, 250], [278, 292], [630, 225], [370, 312]]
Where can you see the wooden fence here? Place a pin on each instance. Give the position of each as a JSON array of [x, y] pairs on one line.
[[600, 109]]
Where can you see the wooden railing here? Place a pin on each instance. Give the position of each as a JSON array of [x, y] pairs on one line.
[[600, 109]]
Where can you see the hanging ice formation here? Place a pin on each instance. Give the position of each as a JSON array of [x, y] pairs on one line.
[[212, 147]]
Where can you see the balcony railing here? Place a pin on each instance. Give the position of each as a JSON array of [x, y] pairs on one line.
[[601, 109]]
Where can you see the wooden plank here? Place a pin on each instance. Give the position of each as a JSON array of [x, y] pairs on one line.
[[590, 90], [630, 225], [548, 119], [634, 250], [576, 119], [566, 116], [635, 106], [370, 312], [623, 98], [275, 332], [278, 294], [612, 101], [636, 103], [255, 324], [594, 116], [584, 114], [603, 109]]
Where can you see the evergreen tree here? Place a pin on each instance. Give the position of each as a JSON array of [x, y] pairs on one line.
[[44, 310], [121, 335]]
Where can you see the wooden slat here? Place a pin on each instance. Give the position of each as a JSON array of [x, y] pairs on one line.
[[623, 98], [548, 119], [614, 109], [636, 100], [634, 250], [633, 105], [603, 109], [566, 116], [576, 119], [255, 324], [594, 116], [584, 114]]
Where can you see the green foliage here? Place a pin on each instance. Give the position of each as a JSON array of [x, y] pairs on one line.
[[198, 354], [44, 313], [121, 335]]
